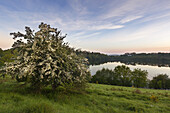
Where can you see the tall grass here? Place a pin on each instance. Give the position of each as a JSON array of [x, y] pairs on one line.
[[97, 98]]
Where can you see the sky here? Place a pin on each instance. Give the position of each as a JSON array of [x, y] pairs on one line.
[[106, 26]]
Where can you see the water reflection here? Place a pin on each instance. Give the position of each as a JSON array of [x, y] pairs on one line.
[[152, 70], [150, 64]]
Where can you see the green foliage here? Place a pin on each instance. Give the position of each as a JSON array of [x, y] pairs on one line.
[[160, 59], [94, 58], [103, 76], [7, 56], [139, 77], [154, 98], [44, 59], [96, 98], [137, 91], [160, 82], [122, 76]]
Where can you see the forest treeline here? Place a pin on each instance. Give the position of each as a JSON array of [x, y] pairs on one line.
[[106, 76], [159, 59], [123, 76], [44, 59], [95, 58]]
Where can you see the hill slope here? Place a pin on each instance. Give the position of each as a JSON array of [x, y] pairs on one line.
[[97, 98]]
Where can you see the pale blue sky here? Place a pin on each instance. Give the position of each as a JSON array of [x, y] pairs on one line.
[[107, 26]]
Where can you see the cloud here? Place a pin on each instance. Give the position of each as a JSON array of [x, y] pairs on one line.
[[89, 35], [129, 19], [106, 27], [130, 7], [97, 24], [78, 34], [78, 8], [153, 17], [84, 25], [155, 35], [82, 36], [81, 40]]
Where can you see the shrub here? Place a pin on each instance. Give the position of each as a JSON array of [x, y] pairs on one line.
[[161, 81], [44, 59], [103, 76], [139, 78], [154, 98], [137, 91], [124, 76]]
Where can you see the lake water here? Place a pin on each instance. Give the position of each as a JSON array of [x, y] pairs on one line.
[[152, 70]]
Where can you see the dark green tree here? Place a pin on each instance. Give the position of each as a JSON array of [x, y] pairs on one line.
[[103, 76], [160, 82], [123, 74], [139, 77]]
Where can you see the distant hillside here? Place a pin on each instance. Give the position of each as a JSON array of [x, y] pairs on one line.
[[95, 58], [7, 56], [160, 59]]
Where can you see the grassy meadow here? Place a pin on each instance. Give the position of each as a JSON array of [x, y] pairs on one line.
[[18, 98]]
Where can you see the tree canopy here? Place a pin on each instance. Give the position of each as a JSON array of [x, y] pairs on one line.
[[160, 81], [122, 76], [44, 59]]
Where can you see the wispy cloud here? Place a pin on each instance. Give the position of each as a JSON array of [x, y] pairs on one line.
[[130, 7], [97, 24], [107, 27], [82, 37], [129, 19], [78, 8], [89, 35], [78, 34]]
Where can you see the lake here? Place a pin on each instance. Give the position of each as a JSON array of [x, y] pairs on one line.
[[152, 70]]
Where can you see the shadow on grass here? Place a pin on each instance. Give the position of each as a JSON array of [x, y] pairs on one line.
[[48, 92], [21, 98]]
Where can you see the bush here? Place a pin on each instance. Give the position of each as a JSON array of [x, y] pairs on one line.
[[122, 76], [44, 59], [154, 98], [160, 82], [139, 78], [137, 91], [103, 76]]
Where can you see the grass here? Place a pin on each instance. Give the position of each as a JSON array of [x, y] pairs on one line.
[[97, 98]]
